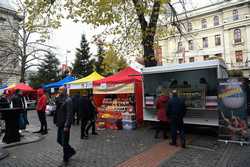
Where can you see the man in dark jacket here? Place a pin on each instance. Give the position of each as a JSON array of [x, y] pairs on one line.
[[176, 111], [76, 113], [85, 113], [63, 120], [92, 116]]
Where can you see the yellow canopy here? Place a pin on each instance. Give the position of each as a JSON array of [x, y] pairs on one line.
[[91, 77]]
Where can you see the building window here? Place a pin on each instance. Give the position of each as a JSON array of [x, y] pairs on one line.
[[205, 42], [179, 49], [237, 35], [216, 21], [189, 26], [235, 15], [191, 59], [239, 56], [219, 55], [217, 40], [180, 61], [203, 23], [206, 57], [190, 45]]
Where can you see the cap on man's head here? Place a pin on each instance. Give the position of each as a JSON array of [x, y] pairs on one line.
[[174, 91]]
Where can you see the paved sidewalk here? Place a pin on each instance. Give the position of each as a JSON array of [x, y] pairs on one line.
[[136, 148], [28, 137], [3, 153]]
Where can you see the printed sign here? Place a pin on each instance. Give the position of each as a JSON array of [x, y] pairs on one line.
[[114, 88], [232, 110]]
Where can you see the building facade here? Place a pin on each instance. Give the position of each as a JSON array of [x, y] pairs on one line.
[[9, 64], [221, 30]]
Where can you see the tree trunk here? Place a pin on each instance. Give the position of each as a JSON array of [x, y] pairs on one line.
[[149, 57], [148, 30], [22, 79]]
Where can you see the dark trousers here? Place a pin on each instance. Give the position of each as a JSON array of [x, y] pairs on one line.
[[84, 123], [76, 117], [42, 119], [161, 126], [91, 124], [177, 125], [11, 127], [63, 139]]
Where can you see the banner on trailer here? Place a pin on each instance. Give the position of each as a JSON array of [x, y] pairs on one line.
[[232, 110], [114, 88]]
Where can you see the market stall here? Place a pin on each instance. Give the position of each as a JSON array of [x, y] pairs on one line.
[[28, 92], [196, 82], [56, 85], [119, 100], [82, 84]]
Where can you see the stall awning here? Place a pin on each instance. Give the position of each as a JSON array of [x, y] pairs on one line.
[[60, 83], [92, 77], [121, 82], [126, 75], [20, 86], [84, 83]]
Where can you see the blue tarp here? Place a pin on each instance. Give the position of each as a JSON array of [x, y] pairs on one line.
[[60, 83]]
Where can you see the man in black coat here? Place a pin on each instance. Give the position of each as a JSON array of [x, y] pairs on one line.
[[85, 113], [63, 120], [92, 116], [176, 111]]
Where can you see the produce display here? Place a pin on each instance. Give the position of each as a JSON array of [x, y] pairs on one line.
[[116, 113]]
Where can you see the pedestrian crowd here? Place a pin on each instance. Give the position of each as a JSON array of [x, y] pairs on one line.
[[78, 109]]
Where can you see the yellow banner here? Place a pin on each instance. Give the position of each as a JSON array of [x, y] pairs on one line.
[[113, 88]]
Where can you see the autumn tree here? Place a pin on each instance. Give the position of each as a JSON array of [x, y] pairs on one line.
[[99, 59], [125, 17], [26, 45], [112, 62]]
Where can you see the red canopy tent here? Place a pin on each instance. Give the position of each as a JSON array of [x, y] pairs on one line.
[[21, 86], [126, 81]]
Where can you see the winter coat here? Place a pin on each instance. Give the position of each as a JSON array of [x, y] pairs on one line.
[[17, 101], [64, 112], [161, 107], [176, 108], [85, 107], [42, 101]]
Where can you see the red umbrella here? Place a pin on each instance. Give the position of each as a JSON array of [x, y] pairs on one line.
[[23, 87]]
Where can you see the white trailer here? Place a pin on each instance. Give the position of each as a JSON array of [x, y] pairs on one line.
[[161, 76]]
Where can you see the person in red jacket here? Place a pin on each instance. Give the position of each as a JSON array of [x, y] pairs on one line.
[[161, 104], [40, 108]]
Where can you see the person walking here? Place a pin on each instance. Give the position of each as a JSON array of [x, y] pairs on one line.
[[63, 120], [40, 108], [92, 116], [161, 104], [176, 111], [85, 114]]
